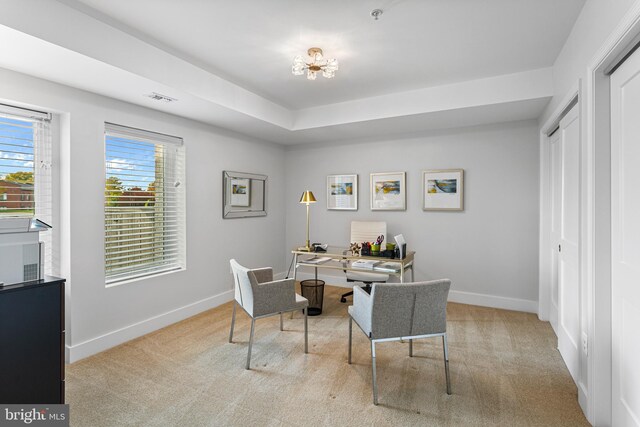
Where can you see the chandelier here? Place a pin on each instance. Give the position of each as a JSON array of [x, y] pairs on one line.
[[314, 64]]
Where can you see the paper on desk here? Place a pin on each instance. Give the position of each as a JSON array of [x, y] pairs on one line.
[[364, 264], [316, 260]]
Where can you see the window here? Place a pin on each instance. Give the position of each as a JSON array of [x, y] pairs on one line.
[[25, 169], [143, 203]]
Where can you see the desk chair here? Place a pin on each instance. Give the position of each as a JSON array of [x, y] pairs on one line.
[[366, 231], [395, 312], [260, 296]]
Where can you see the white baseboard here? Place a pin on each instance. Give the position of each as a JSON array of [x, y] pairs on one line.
[[471, 298], [114, 338], [583, 398], [281, 275], [494, 301]]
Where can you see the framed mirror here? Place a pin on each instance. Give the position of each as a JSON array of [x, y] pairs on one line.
[[243, 194]]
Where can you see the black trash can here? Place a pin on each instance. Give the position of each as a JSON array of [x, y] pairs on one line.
[[313, 290]]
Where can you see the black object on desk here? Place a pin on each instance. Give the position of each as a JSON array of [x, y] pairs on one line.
[[32, 342]]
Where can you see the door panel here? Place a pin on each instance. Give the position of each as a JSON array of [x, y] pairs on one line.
[[556, 204], [625, 242], [569, 271]]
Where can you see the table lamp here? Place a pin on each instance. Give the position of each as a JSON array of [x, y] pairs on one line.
[[307, 198]]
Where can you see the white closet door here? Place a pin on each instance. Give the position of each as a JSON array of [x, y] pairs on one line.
[[568, 257], [625, 242], [556, 204]]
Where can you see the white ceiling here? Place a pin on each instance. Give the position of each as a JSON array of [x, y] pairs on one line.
[[425, 65], [415, 44]]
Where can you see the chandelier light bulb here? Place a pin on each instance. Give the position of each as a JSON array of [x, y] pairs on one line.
[[329, 74], [332, 64], [311, 75]]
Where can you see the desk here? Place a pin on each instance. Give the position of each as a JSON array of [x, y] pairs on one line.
[[341, 260]]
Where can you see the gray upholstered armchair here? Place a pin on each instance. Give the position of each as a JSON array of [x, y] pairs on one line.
[[404, 311], [260, 296]]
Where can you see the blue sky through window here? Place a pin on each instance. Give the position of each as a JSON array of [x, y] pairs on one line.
[[16, 146], [131, 161]]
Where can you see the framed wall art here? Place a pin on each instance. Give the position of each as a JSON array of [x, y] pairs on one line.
[[443, 190], [243, 195], [240, 191], [388, 191], [342, 192]]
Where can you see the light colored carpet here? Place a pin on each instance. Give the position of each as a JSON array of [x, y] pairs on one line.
[[505, 370]]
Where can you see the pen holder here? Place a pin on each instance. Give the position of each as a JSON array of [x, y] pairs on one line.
[[375, 249], [404, 251], [391, 246]]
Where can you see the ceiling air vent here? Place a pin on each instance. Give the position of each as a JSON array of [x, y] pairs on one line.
[[159, 97]]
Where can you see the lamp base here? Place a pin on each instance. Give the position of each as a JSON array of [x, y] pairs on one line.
[[306, 248]]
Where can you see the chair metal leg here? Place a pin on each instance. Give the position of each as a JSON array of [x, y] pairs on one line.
[[373, 372], [446, 362], [253, 324], [350, 333], [281, 328], [233, 320], [306, 331], [410, 348]]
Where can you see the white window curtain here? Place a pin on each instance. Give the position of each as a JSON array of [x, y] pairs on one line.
[[26, 170], [144, 203]]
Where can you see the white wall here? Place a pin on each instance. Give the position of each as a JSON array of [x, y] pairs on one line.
[[489, 251], [595, 23], [99, 317]]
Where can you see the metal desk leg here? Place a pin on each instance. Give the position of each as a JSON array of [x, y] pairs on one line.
[[295, 271], [402, 273], [412, 279]]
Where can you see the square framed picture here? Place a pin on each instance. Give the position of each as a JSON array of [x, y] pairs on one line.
[[342, 192], [388, 191], [443, 190], [240, 191]]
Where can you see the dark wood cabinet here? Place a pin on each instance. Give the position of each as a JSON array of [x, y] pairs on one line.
[[32, 342]]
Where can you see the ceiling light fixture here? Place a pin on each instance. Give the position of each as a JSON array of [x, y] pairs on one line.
[[314, 64], [375, 13]]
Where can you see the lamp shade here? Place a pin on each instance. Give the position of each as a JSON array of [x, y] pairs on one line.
[[307, 197]]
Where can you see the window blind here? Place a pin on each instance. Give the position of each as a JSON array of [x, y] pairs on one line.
[[144, 203], [26, 185]]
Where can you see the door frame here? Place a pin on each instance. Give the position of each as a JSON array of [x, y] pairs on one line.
[[545, 276], [544, 244], [597, 230]]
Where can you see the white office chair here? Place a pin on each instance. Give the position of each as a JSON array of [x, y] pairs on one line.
[[366, 231]]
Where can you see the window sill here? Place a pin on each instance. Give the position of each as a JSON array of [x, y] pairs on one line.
[[120, 282]]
